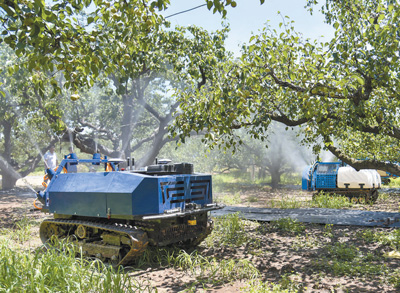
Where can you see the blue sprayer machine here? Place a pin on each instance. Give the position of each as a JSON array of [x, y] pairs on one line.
[[114, 214], [334, 177]]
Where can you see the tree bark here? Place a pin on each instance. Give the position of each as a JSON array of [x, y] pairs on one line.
[[275, 179], [126, 128], [8, 173], [8, 180], [158, 143]]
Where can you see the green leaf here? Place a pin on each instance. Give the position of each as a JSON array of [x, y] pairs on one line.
[[359, 79], [336, 25]]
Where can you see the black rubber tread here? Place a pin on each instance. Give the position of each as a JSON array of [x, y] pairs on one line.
[[138, 237], [374, 194], [192, 243]]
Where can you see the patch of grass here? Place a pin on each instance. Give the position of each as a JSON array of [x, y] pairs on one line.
[[289, 282], [20, 232], [57, 270], [229, 230], [252, 199], [286, 203], [328, 231], [329, 201], [230, 199], [288, 225], [230, 269], [285, 285], [193, 262], [368, 235], [342, 251], [225, 182], [155, 256], [391, 239], [384, 196], [208, 269], [394, 183], [355, 269], [394, 278], [291, 178], [307, 241], [347, 260]]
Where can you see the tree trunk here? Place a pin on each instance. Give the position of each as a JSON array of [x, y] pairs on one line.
[[275, 179], [126, 128], [8, 181], [9, 175], [158, 143]]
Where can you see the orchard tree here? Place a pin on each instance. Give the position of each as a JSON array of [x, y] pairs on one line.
[[136, 105], [138, 59], [68, 35], [280, 154], [121, 40], [58, 35], [344, 92], [27, 122]]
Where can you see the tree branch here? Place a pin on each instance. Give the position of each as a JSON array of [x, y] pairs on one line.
[[362, 164], [203, 78], [98, 129], [288, 122], [313, 90], [141, 142]]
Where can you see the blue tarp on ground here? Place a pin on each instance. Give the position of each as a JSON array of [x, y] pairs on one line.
[[316, 215]]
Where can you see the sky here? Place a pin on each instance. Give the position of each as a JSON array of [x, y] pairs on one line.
[[249, 16]]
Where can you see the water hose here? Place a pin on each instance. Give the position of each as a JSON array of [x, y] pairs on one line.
[[46, 177], [34, 204], [109, 168], [64, 169]]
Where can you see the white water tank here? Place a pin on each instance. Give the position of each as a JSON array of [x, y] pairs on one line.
[[348, 177]]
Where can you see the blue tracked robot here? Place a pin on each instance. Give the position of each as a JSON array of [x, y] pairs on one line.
[[114, 214], [334, 177]]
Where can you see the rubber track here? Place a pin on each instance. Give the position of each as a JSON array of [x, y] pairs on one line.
[[138, 237]]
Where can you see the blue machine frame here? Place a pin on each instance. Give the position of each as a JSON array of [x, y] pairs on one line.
[[123, 194], [325, 174]]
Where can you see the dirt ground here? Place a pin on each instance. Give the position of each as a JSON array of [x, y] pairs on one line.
[[302, 261]]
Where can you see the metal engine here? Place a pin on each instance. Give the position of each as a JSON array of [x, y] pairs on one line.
[[360, 186], [116, 213]]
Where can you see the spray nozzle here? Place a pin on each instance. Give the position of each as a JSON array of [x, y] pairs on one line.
[[41, 197], [50, 173]]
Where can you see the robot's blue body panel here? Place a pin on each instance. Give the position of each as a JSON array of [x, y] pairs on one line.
[[105, 194], [325, 175], [320, 176]]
